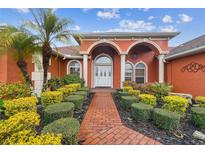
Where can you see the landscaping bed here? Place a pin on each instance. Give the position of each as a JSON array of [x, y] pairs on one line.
[[180, 137]]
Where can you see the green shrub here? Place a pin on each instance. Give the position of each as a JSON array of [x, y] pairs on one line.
[[56, 111], [82, 93], [68, 127], [21, 104], [160, 90], [175, 104], [1, 105], [134, 92], [84, 89], [127, 88], [55, 83], [166, 119], [14, 91], [198, 116], [200, 100], [71, 78], [73, 86], [121, 93], [148, 99], [51, 97], [77, 100], [141, 111], [127, 101]]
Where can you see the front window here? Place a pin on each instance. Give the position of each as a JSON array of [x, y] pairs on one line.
[[74, 68], [128, 72], [140, 73]]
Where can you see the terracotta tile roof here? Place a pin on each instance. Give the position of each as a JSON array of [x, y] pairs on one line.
[[69, 50], [194, 43]]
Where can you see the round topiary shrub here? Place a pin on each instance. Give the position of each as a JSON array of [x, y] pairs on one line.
[[82, 93], [68, 127], [142, 112], [166, 119], [77, 100], [56, 111], [127, 101], [198, 116]]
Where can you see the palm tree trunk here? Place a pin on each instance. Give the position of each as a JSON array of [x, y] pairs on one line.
[[46, 51], [23, 68]]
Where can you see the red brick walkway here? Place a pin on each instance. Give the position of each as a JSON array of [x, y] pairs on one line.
[[102, 124]]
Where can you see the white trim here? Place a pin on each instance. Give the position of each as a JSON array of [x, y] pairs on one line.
[[146, 71], [133, 69], [124, 39], [68, 67], [161, 68], [122, 63], [93, 63], [85, 69], [186, 53], [103, 41], [144, 41]]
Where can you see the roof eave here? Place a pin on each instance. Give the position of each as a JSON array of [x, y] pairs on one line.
[[186, 53], [65, 56]]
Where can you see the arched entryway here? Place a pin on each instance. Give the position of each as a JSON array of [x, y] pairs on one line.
[[103, 71]]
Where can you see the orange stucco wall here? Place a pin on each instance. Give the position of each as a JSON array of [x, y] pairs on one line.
[[122, 43], [186, 82]]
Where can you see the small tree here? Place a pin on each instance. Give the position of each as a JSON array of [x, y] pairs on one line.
[[20, 45], [48, 29]]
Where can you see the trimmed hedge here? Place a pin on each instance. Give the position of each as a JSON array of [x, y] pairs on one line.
[[51, 97], [127, 88], [134, 92], [82, 93], [84, 89], [200, 100], [68, 127], [148, 99], [141, 112], [56, 111], [66, 91], [198, 116], [127, 101], [18, 105], [121, 93], [166, 119], [77, 100]]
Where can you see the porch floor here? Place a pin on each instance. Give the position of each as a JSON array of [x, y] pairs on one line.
[[102, 123]]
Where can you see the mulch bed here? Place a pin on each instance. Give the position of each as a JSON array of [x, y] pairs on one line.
[[183, 136], [79, 114]]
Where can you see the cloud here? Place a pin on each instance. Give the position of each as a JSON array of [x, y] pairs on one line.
[[167, 19], [184, 18], [137, 25], [76, 28], [150, 18], [23, 10], [109, 14], [85, 10], [3, 24], [144, 9], [169, 28]]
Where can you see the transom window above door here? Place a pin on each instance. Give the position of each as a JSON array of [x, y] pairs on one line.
[[74, 67], [103, 61]]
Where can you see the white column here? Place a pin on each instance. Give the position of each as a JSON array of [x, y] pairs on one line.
[[85, 69], [122, 69], [161, 68]]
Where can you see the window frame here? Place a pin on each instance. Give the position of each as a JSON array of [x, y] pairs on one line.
[[80, 65], [145, 76], [132, 71]]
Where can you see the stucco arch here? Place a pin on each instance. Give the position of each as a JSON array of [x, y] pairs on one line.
[[104, 41], [149, 42]]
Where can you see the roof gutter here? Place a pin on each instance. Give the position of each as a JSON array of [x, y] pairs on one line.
[[64, 56], [186, 53]]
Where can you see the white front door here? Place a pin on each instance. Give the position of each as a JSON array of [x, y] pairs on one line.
[[103, 76]]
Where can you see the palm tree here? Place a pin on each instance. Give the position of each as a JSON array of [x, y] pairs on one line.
[[20, 45], [48, 29]]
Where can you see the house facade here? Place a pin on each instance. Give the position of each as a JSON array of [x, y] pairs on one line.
[[109, 59]]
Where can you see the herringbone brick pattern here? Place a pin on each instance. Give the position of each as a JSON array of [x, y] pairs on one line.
[[102, 125]]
